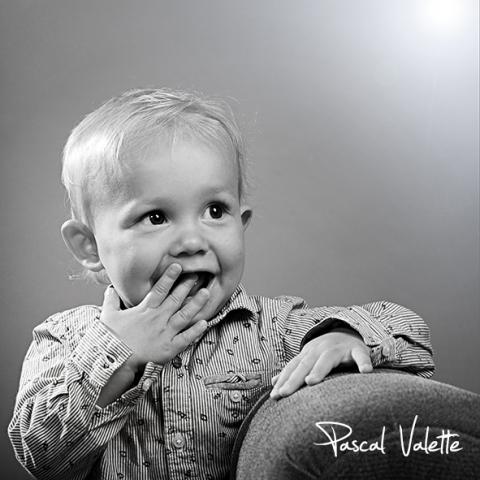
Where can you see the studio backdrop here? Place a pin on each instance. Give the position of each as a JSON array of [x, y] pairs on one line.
[[361, 122]]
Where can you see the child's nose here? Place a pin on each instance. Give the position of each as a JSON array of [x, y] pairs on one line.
[[189, 241]]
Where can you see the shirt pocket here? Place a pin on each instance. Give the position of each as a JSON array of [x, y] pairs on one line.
[[234, 394]]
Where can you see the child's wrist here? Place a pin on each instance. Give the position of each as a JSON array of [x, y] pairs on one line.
[[133, 365]]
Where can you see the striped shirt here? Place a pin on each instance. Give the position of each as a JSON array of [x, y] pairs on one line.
[[180, 420]]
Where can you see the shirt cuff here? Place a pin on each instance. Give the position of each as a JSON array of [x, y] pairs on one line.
[[97, 356], [99, 353], [383, 347], [127, 401]]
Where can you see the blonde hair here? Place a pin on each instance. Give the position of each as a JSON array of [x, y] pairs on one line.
[[95, 154], [92, 156]]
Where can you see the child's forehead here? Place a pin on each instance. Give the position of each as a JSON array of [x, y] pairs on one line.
[[172, 155], [167, 165]]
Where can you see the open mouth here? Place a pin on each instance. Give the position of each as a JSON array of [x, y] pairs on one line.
[[204, 279]]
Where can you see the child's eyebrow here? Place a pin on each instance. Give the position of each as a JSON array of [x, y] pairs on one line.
[[165, 201], [221, 189]]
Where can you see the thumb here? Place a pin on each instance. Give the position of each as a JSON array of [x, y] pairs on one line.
[[111, 300]]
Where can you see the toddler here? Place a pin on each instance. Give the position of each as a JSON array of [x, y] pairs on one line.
[[156, 382]]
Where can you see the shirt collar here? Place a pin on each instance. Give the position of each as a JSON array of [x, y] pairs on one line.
[[238, 301]]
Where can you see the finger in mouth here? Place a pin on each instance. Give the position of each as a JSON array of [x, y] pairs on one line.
[[202, 281]]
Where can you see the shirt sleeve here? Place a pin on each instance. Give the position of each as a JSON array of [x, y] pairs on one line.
[[57, 430], [397, 337]]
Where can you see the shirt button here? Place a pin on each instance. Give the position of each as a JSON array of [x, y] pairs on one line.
[[178, 440], [235, 396], [177, 361]]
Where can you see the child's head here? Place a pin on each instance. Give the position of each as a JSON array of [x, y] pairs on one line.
[[99, 147], [156, 177]]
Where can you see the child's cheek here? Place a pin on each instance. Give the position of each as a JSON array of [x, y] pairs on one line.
[[234, 242], [236, 252], [128, 269], [137, 271]]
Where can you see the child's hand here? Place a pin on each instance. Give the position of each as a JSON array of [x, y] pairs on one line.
[[159, 327], [341, 346]]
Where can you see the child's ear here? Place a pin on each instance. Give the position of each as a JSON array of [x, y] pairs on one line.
[[246, 214], [81, 242]]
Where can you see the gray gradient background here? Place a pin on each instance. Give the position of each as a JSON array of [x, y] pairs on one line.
[[362, 125]]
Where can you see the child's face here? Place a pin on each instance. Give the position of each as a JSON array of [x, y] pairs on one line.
[[180, 205]]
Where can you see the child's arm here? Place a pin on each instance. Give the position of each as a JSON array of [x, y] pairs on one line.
[[380, 333], [58, 430], [56, 426]]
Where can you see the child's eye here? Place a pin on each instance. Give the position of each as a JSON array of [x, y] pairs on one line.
[[155, 218], [216, 211]]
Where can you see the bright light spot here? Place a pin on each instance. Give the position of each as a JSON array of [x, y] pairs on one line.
[[443, 15]]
